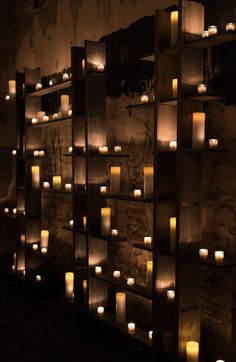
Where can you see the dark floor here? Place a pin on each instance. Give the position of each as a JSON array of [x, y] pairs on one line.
[[41, 331]]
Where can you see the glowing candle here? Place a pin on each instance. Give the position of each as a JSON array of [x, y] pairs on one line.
[[83, 66], [38, 278], [14, 152], [137, 193], [116, 274], [46, 185], [105, 221], [44, 250], [71, 222], [34, 121], [205, 34], [201, 88], [23, 272], [84, 223], [22, 239], [120, 307], [14, 211], [69, 113], [174, 28], [103, 190], [117, 149], [98, 270], [172, 145], [174, 88], [38, 86], [130, 281], [115, 180], [150, 333], [149, 275], [203, 253], [147, 240], [172, 234], [100, 67], [148, 181], [144, 98], [65, 76], [50, 83], [36, 153], [192, 351], [7, 98], [45, 118], [40, 115], [100, 311], [6, 210], [35, 172], [70, 149], [55, 116], [64, 104], [44, 238], [198, 133], [68, 187], [35, 246], [103, 150], [114, 232], [41, 153], [212, 30], [219, 256], [56, 181], [131, 328], [230, 27], [170, 295], [220, 360], [14, 261], [69, 285], [213, 143], [12, 87]]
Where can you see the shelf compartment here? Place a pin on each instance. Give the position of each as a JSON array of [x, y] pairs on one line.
[[169, 102], [121, 284], [52, 89], [48, 123], [213, 40], [143, 247], [212, 264], [206, 150], [140, 105]]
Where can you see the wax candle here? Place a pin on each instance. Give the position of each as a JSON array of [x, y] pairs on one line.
[[12, 87], [35, 246], [170, 295], [174, 88], [172, 145], [144, 98], [69, 285], [219, 256], [36, 153], [71, 222], [230, 27], [120, 307], [41, 153], [201, 88], [115, 180], [14, 152], [147, 240], [130, 281], [34, 121], [50, 83], [137, 193], [45, 118], [192, 351], [44, 250], [212, 30], [14, 211], [148, 181], [38, 86], [105, 221], [56, 181], [35, 172], [114, 232], [100, 67], [64, 104], [103, 190], [83, 66], [117, 149], [40, 115], [46, 185], [70, 149], [149, 275], [68, 187], [69, 113], [6, 210], [150, 334], [44, 238], [116, 274], [7, 98], [198, 132], [174, 28], [213, 143], [203, 253], [15, 261], [23, 272], [220, 360], [172, 234], [84, 223], [131, 328], [98, 270], [38, 278], [205, 34], [100, 311], [55, 116], [103, 150], [65, 76], [22, 239]]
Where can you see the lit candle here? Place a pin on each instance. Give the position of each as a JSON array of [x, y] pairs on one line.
[[13, 268], [35, 246], [56, 181], [170, 295], [46, 185], [68, 187], [36, 153], [120, 307], [38, 278], [117, 149], [100, 311], [45, 118], [69, 285], [230, 27], [7, 98], [98, 270], [105, 221], [12, 87], [70, 149], [131, 328], [114, 232], [44, 238], [64, 104], [149, 275], [103, 150], [203, 253], [201, 88], [35, 172], [34, 121], [55, 116], [70, 113], [147, 240], [14, 152], [144, 98], [65, 76], [71, 222], [103, 190], [100, 67], [15, 261], [198, 132], [219, 256], [148, 181], [23, 272], [213, 143], [130, 281], [84, 223], [38, 86], [172, 234], [205, 34], [220, 360], [212, 30], [137, 193], [172, 145], [6, 210], [40, 115], [115, 180], [44, 250], [174, 28], [83, 66], [14, 211], [22, 239], [50, 83], [41, 153], [116, 274], [192, 351], [150, 333], [174, 88]]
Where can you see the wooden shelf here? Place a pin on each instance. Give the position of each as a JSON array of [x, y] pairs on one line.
[[140, 105], [212, 264], [112, 239], [50, 122], [62, 191], [203, 98], [96, 154], [213, 40], [170, 51], [206, 150], [143, 247], [121, 197], [52, 89], [169, 102]]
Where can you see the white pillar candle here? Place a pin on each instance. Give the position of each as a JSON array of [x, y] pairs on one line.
[[40, 116], [173, 145], [201, 88], [203, 253], [219, 256], [14, 211], [50, 83], [172, 234], [84, 223], [12, 87], [148, 172], [65, 76], [38, 278], [64, 104], [98, 270], [174, 88], [170, 295], [100, 67], [100, 311], [68, 187], [6, 210], [212, 30], [198, 133], [23, 272], [105, 221], [103, 150], [205, 34], [71, 222], [69, 285], [192, 351], [213, 143], [46, 185], [70, 149], [45, 118], [115, 180], [35, 172], [150, 334], [36, 153], [116, 274], [144, 98], [34, 121], [120, 307], [220, 360], [114, 232], [7, 98], [44, 238], [103, 190], [38, 86], [149, 276], [83, 66], [147, 240], [56, 181], [131, 328], [174, 28], [130, 281], [35, 246], [230, 27], [55, 116], [117, 149], [137, 193], [44, 250], [69, 113], [14, 152], [41, 153]]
